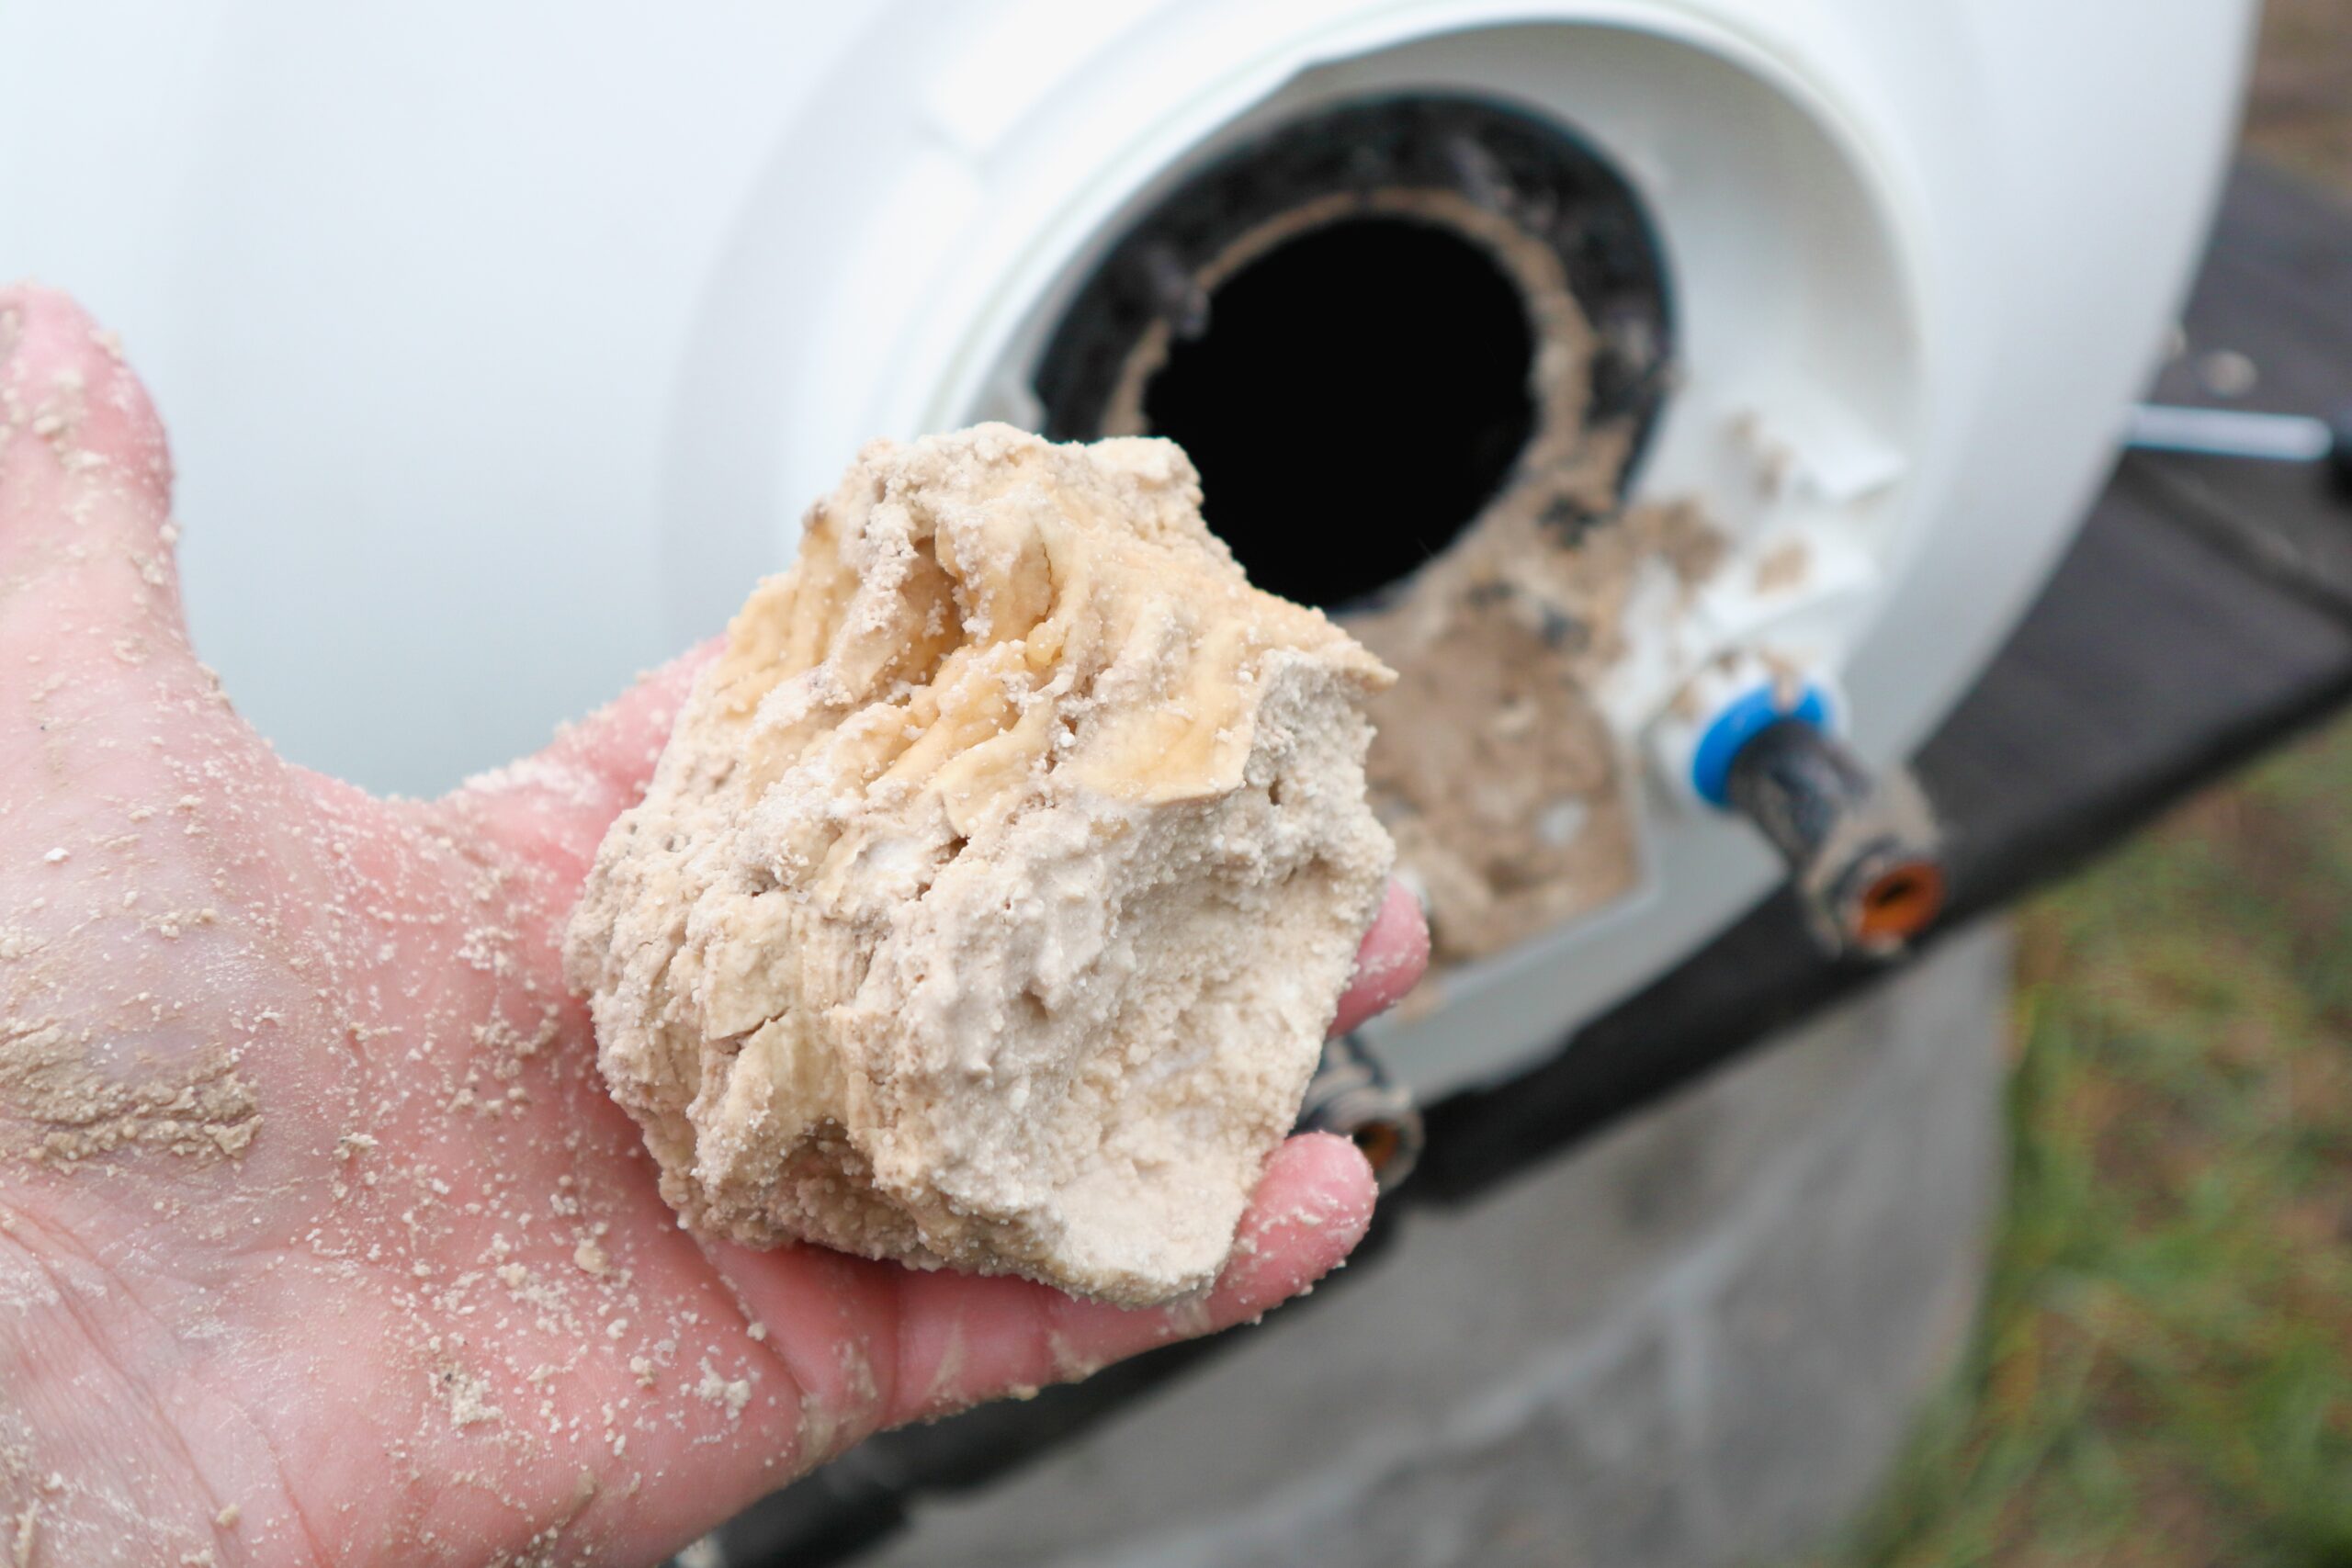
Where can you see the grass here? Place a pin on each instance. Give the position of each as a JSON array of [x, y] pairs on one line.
[[2163, 1375]]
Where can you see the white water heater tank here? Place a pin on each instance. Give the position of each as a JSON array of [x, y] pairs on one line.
[[502, 346]]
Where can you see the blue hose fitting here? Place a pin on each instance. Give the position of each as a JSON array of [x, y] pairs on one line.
[[1741, 721]]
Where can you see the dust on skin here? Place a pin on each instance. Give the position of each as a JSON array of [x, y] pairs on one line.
[[303, 1144], [237, 1060]]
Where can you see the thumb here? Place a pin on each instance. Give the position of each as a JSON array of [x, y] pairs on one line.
[[555, 805], [87, 586]]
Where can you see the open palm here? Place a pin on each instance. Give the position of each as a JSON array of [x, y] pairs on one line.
[[319, 1240]]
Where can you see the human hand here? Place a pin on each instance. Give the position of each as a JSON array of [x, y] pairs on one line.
[[320, 1241]]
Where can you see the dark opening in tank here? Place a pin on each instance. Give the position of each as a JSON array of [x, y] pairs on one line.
[[1358, 396], [1321, 316]]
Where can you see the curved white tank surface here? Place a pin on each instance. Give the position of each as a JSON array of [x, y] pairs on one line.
[[503, 345]]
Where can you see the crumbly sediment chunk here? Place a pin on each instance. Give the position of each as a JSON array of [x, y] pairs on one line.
[[998, 883]]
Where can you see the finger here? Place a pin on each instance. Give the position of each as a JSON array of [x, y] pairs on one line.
[[877, 1345], [557, 803], [84, 489], [1395, 951], [962, 1340]]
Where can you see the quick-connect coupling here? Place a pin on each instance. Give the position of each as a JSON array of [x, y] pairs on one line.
[[1860, 846]]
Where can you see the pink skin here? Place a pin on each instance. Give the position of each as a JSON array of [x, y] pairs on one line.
[[290, 1356]]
